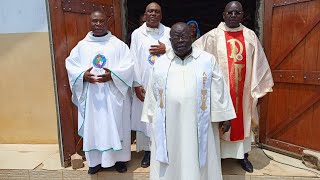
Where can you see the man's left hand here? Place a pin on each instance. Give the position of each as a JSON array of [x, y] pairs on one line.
[[158, 49], [224, 126], [105, 77]]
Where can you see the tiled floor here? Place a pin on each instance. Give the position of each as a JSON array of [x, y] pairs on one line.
[[25, 156], [43, 162]]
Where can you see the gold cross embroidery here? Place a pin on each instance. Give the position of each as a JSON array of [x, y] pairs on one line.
[[161, 93], [204, 92], [161, 98]]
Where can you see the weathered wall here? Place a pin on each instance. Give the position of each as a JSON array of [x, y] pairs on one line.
[[27, 113], [259, 19]]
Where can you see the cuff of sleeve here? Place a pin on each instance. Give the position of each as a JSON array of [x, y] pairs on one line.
[[146, 118], [260, 95], [222, 116], [167, 48], [136, 84]]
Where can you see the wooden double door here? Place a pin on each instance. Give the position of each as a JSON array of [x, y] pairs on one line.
[[290, 116]]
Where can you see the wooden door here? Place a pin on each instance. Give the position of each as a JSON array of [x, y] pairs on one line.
[[290, 116], [70, 22]]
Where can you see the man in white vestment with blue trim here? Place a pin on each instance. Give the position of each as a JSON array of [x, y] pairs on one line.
[[100, 72], [185, 94]]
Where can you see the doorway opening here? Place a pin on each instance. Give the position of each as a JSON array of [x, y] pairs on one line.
[[207, 13]]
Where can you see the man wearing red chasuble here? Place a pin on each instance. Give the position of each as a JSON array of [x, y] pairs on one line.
[[247, 72]]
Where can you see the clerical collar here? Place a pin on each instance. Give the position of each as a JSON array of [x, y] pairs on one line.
[[149, 29], [224, 27], [195, 54], [91, 38]]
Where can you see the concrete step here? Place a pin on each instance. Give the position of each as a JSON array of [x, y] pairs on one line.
[[43, 163], [82, 175]]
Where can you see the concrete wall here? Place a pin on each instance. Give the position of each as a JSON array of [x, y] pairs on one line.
[[27, 104]]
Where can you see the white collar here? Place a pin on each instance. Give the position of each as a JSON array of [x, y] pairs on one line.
[[91, 38], [146, 29], [224, 27], [155, 30], [195, 53]]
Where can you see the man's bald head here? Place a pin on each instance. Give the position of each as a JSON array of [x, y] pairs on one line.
[[153, 5], [180, 26], [180, 38], [153, 15], [97, 12], [233, 3], [233, 14]]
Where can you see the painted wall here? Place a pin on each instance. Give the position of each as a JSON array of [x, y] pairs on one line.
[[27, 102]]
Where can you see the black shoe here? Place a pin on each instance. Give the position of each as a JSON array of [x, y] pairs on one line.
[[246, 164], [121, 167], [146, 159], [93, 170]]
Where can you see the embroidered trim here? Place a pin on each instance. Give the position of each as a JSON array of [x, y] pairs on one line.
[[102, 150], [84, 116], [77, 79], [120, 78]]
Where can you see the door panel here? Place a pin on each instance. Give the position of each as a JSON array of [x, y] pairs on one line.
[[290, 115]]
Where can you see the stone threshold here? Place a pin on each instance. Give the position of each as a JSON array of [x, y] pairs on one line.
[[110, 175]]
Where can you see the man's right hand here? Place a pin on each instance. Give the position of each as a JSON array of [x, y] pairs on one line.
[[140, 92], [158, 49], [89, 77]]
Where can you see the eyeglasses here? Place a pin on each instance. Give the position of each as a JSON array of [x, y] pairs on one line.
[[182, 37], [235, 12]]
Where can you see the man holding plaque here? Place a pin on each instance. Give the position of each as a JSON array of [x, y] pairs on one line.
[[100, 72], [247, 72]]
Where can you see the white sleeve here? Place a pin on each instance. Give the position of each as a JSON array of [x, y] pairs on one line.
[[75, 76], [150, 102], [262, 81], [137, 64], [122, 75], [221, 104]]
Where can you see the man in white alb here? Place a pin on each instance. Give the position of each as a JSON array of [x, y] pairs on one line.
[[185, 94], [148, 43]]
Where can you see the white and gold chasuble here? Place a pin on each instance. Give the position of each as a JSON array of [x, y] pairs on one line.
[[248, 76]]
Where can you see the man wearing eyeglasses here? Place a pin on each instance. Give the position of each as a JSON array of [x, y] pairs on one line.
[[186, 93], [247, 72]]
